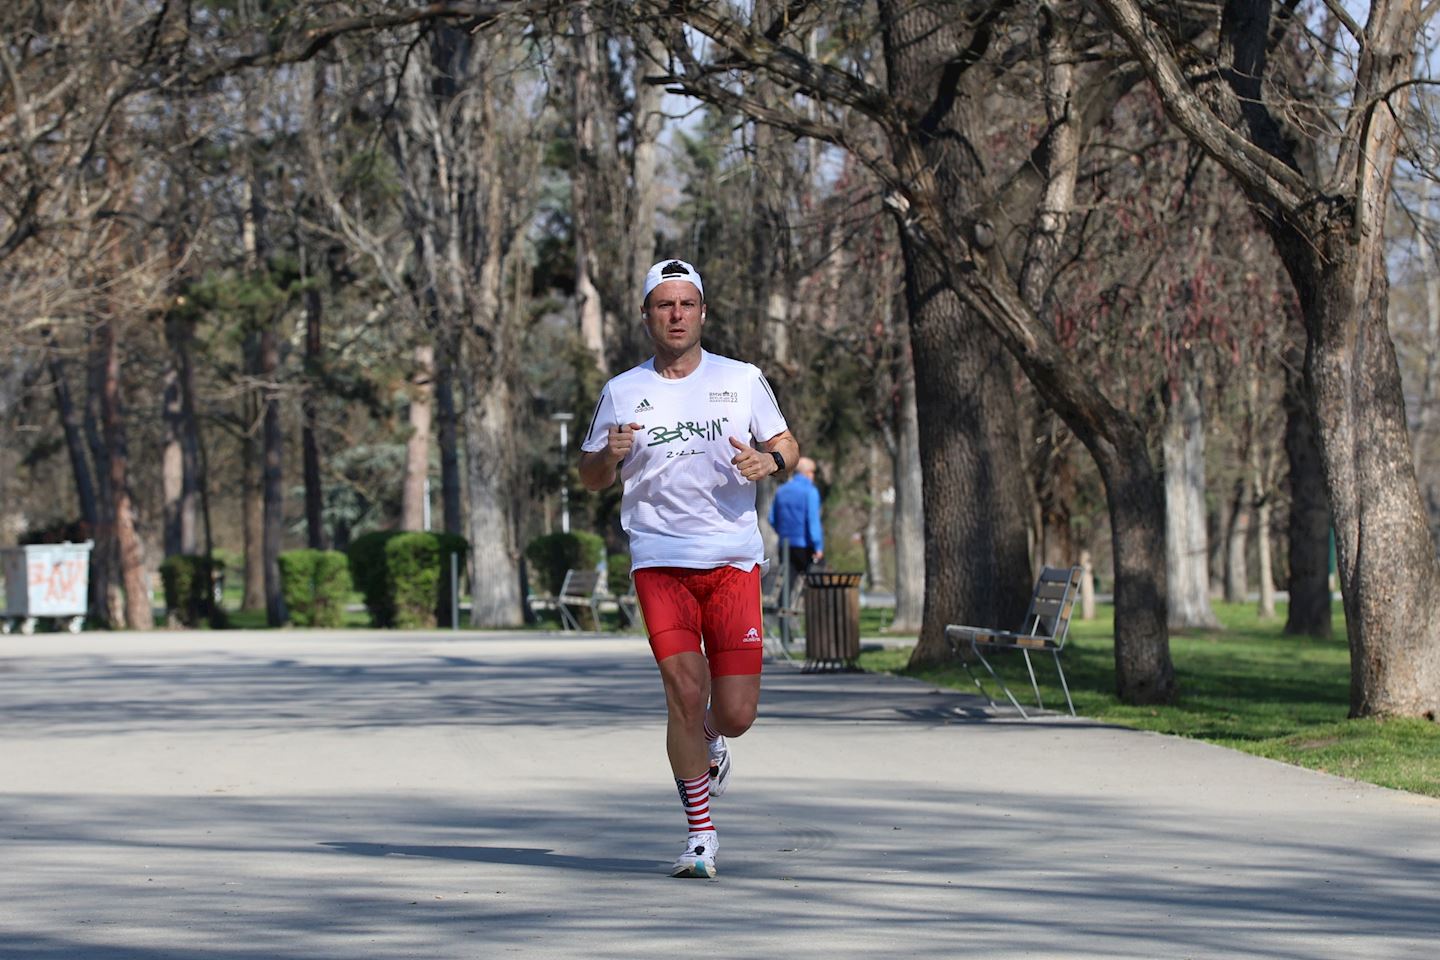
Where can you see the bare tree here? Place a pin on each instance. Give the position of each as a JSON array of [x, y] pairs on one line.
[[1329, 229]]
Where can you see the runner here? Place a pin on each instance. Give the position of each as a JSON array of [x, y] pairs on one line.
[[691, 433]]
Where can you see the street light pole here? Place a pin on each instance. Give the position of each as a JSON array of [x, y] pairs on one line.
[[563, 419]]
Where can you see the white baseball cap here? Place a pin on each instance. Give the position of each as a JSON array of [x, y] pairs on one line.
[[671, 270]]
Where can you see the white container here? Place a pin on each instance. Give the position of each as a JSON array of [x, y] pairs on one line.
[[46, 580]]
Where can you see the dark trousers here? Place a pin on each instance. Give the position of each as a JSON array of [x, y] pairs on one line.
[[798, 563]]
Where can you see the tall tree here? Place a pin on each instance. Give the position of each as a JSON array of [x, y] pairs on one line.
[[1329, 230]]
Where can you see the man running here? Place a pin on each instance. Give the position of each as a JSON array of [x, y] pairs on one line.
[[691, 433]]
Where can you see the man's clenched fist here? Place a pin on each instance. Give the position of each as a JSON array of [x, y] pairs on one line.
[[622, 440]]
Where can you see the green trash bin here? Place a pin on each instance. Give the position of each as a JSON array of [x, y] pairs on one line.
[[832, 620]]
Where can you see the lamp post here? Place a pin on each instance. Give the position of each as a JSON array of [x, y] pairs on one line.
[[563, 419]]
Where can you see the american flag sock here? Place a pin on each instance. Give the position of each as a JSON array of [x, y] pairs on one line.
[[695, 797]]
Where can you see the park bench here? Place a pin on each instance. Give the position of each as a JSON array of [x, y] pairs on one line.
[[579, 589], [1046, 626]]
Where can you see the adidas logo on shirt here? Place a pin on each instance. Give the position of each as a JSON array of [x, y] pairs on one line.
[[643, 406]]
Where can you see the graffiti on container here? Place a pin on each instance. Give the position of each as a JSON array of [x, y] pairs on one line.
[[63, 581]]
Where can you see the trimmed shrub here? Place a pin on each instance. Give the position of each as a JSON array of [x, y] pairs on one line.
[[367, 571], [412, 564], [405, 577], [617, 574], [189, 585], [316, 584], [554, 553]]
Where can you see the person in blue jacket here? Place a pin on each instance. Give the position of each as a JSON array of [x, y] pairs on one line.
[[795, 516]]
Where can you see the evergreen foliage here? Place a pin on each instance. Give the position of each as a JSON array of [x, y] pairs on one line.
[[189, 586], [405, 577], [554, 553], [316, 584]]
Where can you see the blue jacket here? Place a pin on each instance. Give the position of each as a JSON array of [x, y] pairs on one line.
[[795, 513]]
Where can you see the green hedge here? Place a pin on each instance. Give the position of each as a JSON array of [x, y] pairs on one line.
[[617, 574], [189, 585], [316, 584], [554, 553], [405, 577]]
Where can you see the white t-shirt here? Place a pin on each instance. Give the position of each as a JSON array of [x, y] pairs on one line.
[[685, 504]]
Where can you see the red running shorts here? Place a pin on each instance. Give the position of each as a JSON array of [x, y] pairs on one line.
[[722, 605]]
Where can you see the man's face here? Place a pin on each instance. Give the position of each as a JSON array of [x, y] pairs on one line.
[[675, 316]]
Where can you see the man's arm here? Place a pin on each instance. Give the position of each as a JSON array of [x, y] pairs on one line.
[[597, 467], [815, 532], [756, 462], [786, 445]]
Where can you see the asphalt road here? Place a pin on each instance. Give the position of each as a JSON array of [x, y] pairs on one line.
[[357, 795]]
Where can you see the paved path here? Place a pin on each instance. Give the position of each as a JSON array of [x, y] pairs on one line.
[[357, 795]]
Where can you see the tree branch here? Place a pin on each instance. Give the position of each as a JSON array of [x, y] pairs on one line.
[[1257, 169]]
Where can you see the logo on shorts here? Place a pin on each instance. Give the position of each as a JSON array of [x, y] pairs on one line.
[[643, 405], [751, 636]]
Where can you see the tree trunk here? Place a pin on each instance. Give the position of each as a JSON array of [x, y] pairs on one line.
[[138, 615], [1187, 567], [494, 556], [309, 417], [1237, 537], [909, 504], [172, 467], [106, 603], [871, 531], [415, 487], [72, 423], [253, 507], [450, 489], [1264, 558], [590, 311], [1309, 529], [1385, 558], [273, 476], [647, 123], [1143, 669], [977, 564]]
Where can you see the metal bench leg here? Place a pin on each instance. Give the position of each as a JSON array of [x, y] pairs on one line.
[[1063, 685], [567, 619], [1033, 685], [996, 677]]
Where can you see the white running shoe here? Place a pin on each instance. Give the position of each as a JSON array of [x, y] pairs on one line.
[[698, 860], [719, 767]]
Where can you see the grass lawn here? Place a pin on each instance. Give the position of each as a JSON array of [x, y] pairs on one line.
[[1247, 687]]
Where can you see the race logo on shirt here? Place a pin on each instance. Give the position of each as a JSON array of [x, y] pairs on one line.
[[687, 430], [724, 396]]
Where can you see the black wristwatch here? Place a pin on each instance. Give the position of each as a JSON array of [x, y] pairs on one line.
[[779, 461]]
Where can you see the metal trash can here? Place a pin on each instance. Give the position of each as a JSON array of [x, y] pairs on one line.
[[832, 620], [46, 580]]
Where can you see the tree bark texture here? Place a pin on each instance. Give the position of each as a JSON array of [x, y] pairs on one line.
[[309, 421], [977, 564], [909, 503], [1308, 532], [273, 475], [415, 488], [106, 602], [1237, 542], [448, 436], [72, 422], [138, 615], [1187, 568]]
